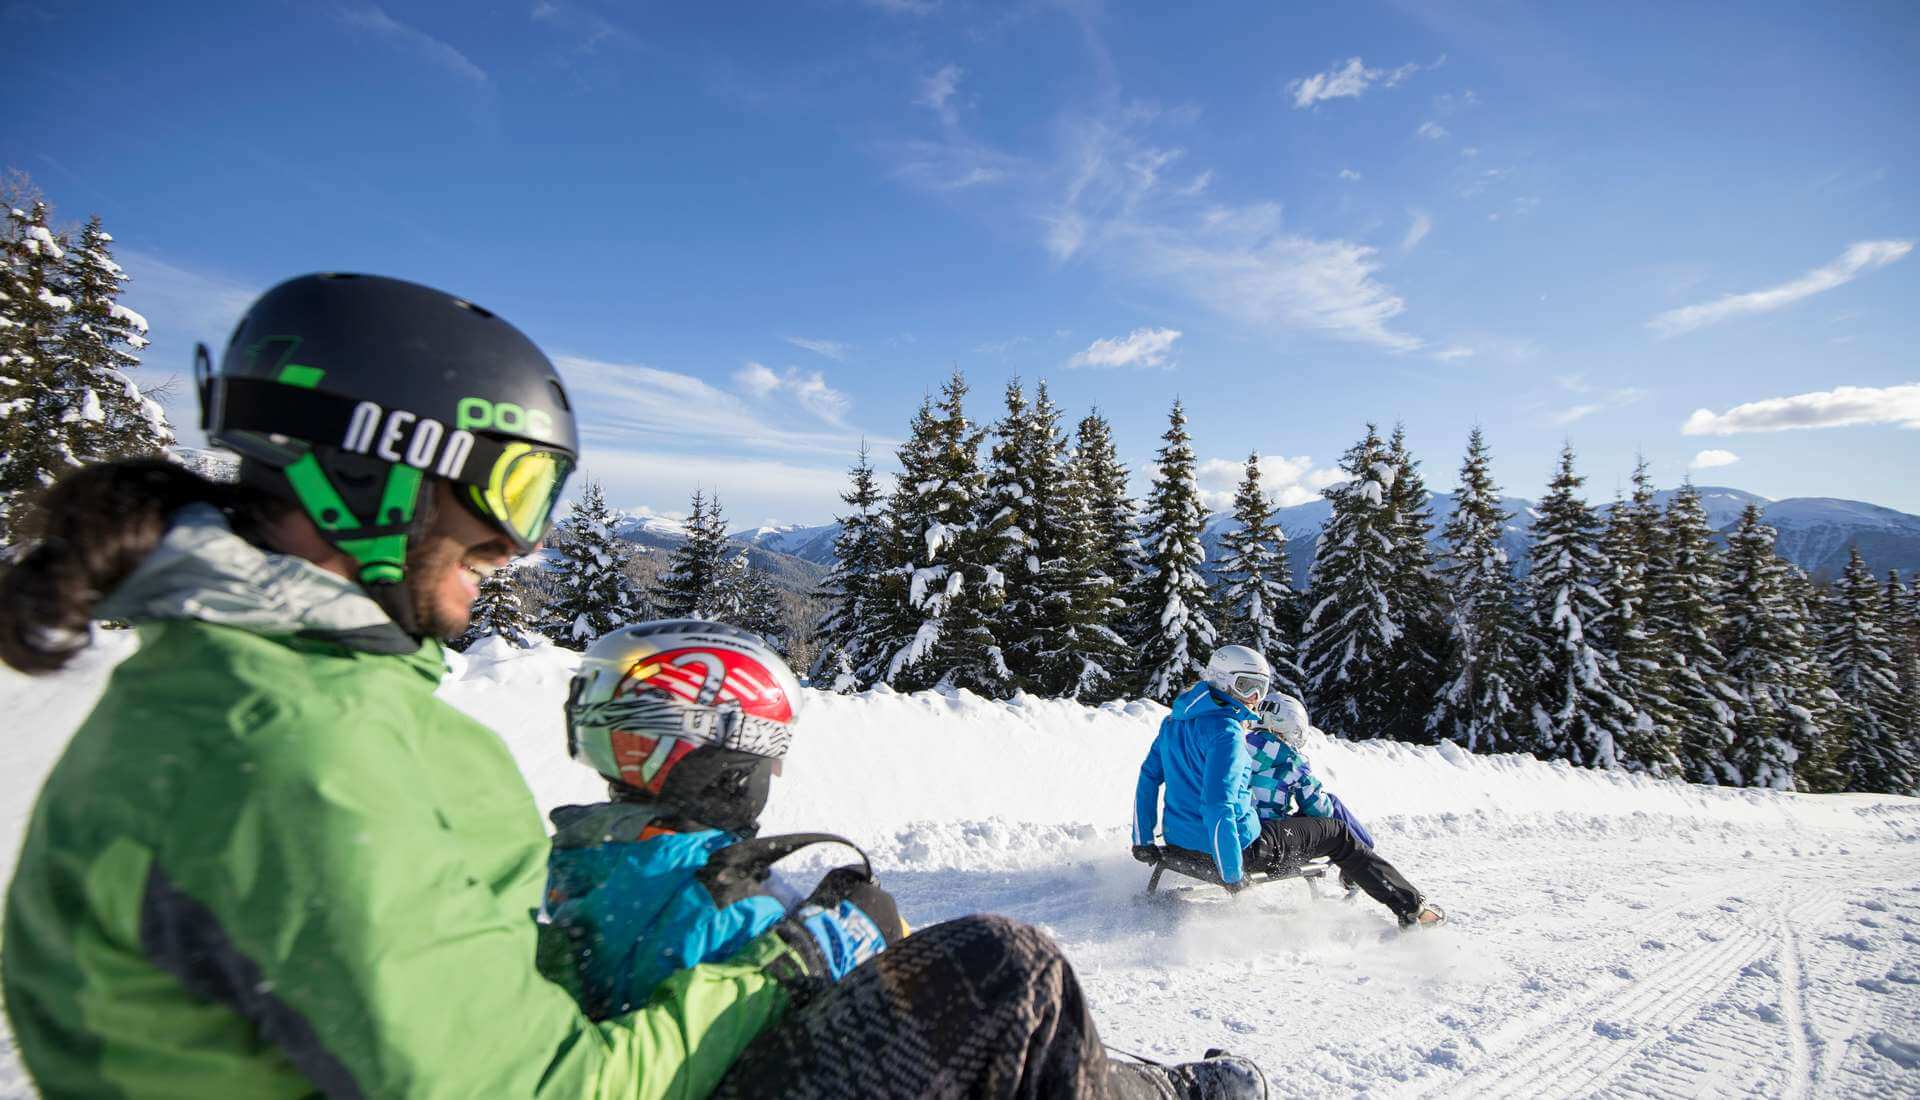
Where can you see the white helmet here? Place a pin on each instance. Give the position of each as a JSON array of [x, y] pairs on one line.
[[1286, 716], [1240, 672]]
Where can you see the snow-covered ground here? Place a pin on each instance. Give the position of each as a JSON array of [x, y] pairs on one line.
[[1610, 935]]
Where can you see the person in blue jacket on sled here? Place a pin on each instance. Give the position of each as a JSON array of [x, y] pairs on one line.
[[1229, 760]]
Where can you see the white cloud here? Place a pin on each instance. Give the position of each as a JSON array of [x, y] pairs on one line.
[[1603, 402], [905, 7], [1453, 353], [1860, 256], [1841, 407], [937, 92], [624, 404], [1349, 175], [1289, 481], [1143, 347], [373, 18], [954, 164], [832, 349], [1707, 460], [808, 388], [1417, 232], [658, 482], [1345, 82], [1431, 130]]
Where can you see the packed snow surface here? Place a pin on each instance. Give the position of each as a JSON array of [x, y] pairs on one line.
[[1609, 934]]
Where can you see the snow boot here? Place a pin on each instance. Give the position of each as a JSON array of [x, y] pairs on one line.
[[1424, 915], [1220, 1076]]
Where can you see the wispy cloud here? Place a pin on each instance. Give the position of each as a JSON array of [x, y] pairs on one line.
[[1349, 175], [905, 7], [184, 307], [1431, 130], [809, 389], [1840, 407], [1348, 81], [1707, 460], [371, 17], [624, 405], [1002, 347], [1598, 400], [1453, 353], [1859, 257], [832, 349], [1417, 232], [937, 93], [1143, 347], [1289, 481]]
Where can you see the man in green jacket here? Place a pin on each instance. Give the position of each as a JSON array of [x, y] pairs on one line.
[[272, 863]]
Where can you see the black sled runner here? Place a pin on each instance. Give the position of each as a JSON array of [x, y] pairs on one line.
[[1198, 865]]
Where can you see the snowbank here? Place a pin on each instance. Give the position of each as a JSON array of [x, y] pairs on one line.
[[935, 780]]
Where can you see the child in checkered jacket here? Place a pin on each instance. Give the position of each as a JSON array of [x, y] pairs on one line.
[[1283, 781]]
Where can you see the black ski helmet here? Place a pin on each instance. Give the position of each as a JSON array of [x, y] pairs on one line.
[[343, 393]]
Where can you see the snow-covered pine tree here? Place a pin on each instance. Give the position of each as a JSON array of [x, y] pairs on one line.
[[1351, 626], [1868, 753], [1483, 703], [499, 612], [1011, 516], [39, 402], [592, 592], [1177, 634], [1254, 583], [740, 595], [943, 586], [1631, 542], [99, 341], [845, 659], [694, 566], [1416, 597], [1074, 651], [1684, 607], [1116, 575], [1577, 714], [1767, 657], [1897, 608]]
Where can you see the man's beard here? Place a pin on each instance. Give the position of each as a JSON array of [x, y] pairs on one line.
[[429, 559]]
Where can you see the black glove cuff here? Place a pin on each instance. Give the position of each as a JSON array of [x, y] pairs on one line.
[[803, 974]]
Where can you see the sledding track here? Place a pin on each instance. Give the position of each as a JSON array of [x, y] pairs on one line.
[[1653, 957]]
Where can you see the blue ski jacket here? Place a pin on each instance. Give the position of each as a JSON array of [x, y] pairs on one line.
[[1283, 783], [1201, 759], [633, 910]]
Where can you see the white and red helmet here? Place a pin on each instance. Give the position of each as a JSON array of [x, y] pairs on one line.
[[647, 696]]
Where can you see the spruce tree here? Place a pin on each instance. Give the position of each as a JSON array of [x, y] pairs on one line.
[[846, 661], [1577, 714], [1415, 597], [98, 342], [1897, 609], [1255, 584], [1116, 573], [1483, 704], [1868, 753], [592, 592], [1176, 631], [1631, 544], [1073, 653], [1012, 515], [40, 400], [1768, 660], [943, 586], [1350, 631], [694, 567], [1684, 607], [498, 612], [740, 595]]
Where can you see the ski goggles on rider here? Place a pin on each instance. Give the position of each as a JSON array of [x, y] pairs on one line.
[[518, 491], [1248, 685]]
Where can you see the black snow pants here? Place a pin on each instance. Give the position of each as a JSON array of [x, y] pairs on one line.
[[1285, 843], [982, 1006]]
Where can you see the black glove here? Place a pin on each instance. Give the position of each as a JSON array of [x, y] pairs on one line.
[[1236, 887], [852, 884], [1147, 853]]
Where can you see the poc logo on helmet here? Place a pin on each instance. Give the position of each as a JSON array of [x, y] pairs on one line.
[[400, 436], [480, 415]]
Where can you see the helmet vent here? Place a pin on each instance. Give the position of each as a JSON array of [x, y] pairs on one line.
[[338, 275], [481, 310], [559, 394]]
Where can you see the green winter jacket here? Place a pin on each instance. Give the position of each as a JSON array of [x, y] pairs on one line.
[[271, 863]]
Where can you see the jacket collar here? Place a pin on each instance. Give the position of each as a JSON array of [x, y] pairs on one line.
[[202, 571], [1201, 699]]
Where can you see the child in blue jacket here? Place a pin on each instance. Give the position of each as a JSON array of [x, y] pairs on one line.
[[688, 722]]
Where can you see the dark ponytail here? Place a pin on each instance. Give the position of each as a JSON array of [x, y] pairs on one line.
[[93, 528]]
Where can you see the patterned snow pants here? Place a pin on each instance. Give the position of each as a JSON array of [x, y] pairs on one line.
[[982, 1006]]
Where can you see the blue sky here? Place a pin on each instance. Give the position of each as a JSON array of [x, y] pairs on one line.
[[753, 234]]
